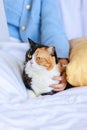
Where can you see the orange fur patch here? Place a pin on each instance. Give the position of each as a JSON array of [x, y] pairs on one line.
[[44, 58]]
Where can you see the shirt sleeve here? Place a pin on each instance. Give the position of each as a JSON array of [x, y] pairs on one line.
[[52, 32]]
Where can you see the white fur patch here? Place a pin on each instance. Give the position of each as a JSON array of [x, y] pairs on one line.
[[41, 78]]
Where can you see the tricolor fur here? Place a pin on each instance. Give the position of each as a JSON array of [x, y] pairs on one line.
[[41, 65]]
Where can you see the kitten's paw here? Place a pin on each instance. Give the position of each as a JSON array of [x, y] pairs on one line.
[[31, 94]]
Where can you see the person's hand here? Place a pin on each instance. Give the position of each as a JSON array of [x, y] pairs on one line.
[[62, 83], [62, 79]]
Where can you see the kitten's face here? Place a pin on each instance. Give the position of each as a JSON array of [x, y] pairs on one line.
[[44, 58], [40, 56]]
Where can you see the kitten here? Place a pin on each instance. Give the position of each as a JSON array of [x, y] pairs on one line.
[[41, 65]]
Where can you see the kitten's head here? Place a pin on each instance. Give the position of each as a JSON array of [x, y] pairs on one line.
[[41, 55]]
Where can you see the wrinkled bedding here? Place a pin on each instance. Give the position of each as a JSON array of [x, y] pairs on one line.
[[65, 110]]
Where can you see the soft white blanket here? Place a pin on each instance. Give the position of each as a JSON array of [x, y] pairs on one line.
[[65, 110]]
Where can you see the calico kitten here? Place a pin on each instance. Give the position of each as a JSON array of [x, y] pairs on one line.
[[41, 65]]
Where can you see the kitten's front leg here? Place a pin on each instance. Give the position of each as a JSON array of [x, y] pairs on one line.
[[31, 94]]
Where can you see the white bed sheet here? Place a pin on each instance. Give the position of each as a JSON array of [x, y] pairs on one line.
[[65, 110]]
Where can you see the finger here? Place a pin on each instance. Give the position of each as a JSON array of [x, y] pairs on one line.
[[63, 79], [59, 78], [60, 89], [58, 86]]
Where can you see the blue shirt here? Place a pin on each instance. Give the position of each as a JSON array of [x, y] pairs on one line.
[[38, 20]]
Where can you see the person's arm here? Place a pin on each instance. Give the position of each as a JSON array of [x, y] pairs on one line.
[[52, 33]]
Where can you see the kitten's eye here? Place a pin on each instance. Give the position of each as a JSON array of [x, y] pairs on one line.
[[29, 56]]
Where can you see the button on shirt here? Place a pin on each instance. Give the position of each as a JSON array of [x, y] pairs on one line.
[[23, 22], [28, 7], [14, 17], [23, 27]]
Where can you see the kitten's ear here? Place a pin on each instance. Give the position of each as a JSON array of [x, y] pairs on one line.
[[51, 50], [31, 43]]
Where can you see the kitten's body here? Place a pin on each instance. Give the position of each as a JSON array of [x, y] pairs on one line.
[[40, 67], [41, 78]]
